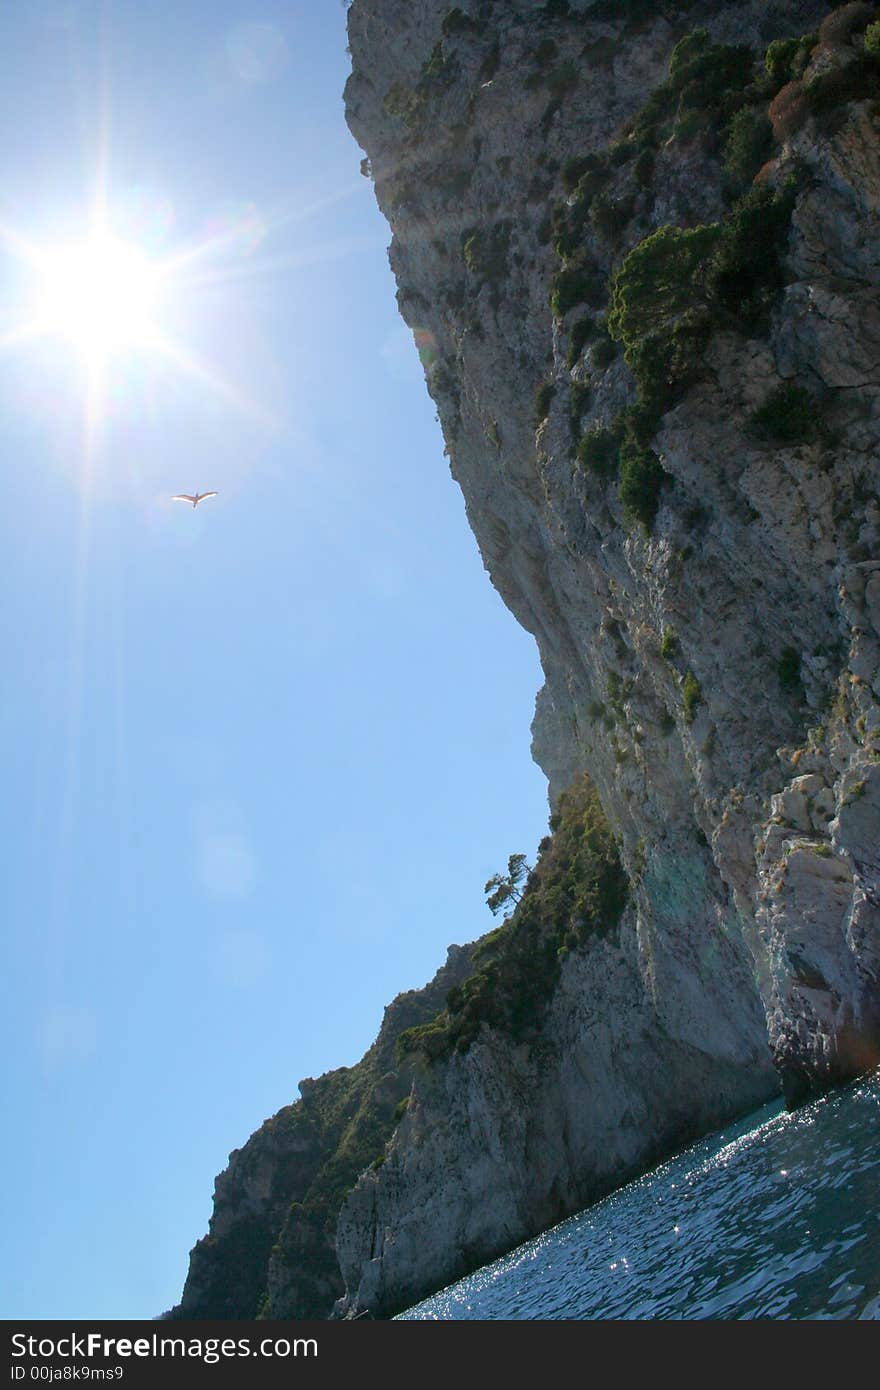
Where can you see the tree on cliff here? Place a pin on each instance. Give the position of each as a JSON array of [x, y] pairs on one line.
[[504, 888]]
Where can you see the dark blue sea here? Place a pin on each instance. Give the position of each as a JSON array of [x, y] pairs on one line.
[[777, 1216]]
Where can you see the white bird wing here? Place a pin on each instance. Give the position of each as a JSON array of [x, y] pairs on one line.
[[203, 495], [183, 497]]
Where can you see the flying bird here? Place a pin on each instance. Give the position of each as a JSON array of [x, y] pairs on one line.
[[194, 498]]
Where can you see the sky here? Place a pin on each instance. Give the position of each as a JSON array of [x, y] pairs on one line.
[[258, 757]]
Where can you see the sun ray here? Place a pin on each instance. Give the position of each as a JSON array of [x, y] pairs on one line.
[[93, 414], [315, 255], [71, 765], [24, 333], [23, 249], [100, 295], [102, 158], [104, 295], [221, 242], [188, 363]]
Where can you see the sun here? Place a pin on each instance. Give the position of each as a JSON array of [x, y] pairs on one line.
[[109, 299], [101, 296]]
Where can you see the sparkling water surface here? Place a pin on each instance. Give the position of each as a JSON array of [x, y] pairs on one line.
[[777, 1216]]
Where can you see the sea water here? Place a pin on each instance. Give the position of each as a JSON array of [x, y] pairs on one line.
[[777, 1216]]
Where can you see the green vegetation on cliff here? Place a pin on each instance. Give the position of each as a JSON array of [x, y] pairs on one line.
[[787, 415], [577, 891], [679, 284], [598, 451], [282, 1247], [703, 91], [692, 696], [315, 1150]]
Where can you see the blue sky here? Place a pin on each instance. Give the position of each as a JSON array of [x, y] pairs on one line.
[[260, 758]]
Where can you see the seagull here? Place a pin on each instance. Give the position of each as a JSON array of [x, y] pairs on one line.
[[194, 498]]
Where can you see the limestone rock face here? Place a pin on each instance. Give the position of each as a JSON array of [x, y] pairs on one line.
[[747, 811], [270, 1249], [504, 1141]]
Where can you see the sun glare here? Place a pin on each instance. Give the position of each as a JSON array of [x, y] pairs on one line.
[[100, 296], [106, 297]]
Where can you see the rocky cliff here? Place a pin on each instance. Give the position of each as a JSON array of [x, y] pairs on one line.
[[270, 1249], [637, 244]]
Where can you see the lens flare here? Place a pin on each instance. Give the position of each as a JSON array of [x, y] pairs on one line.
[[236, 229], [426, 346], [144, 215], [257, 52]]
